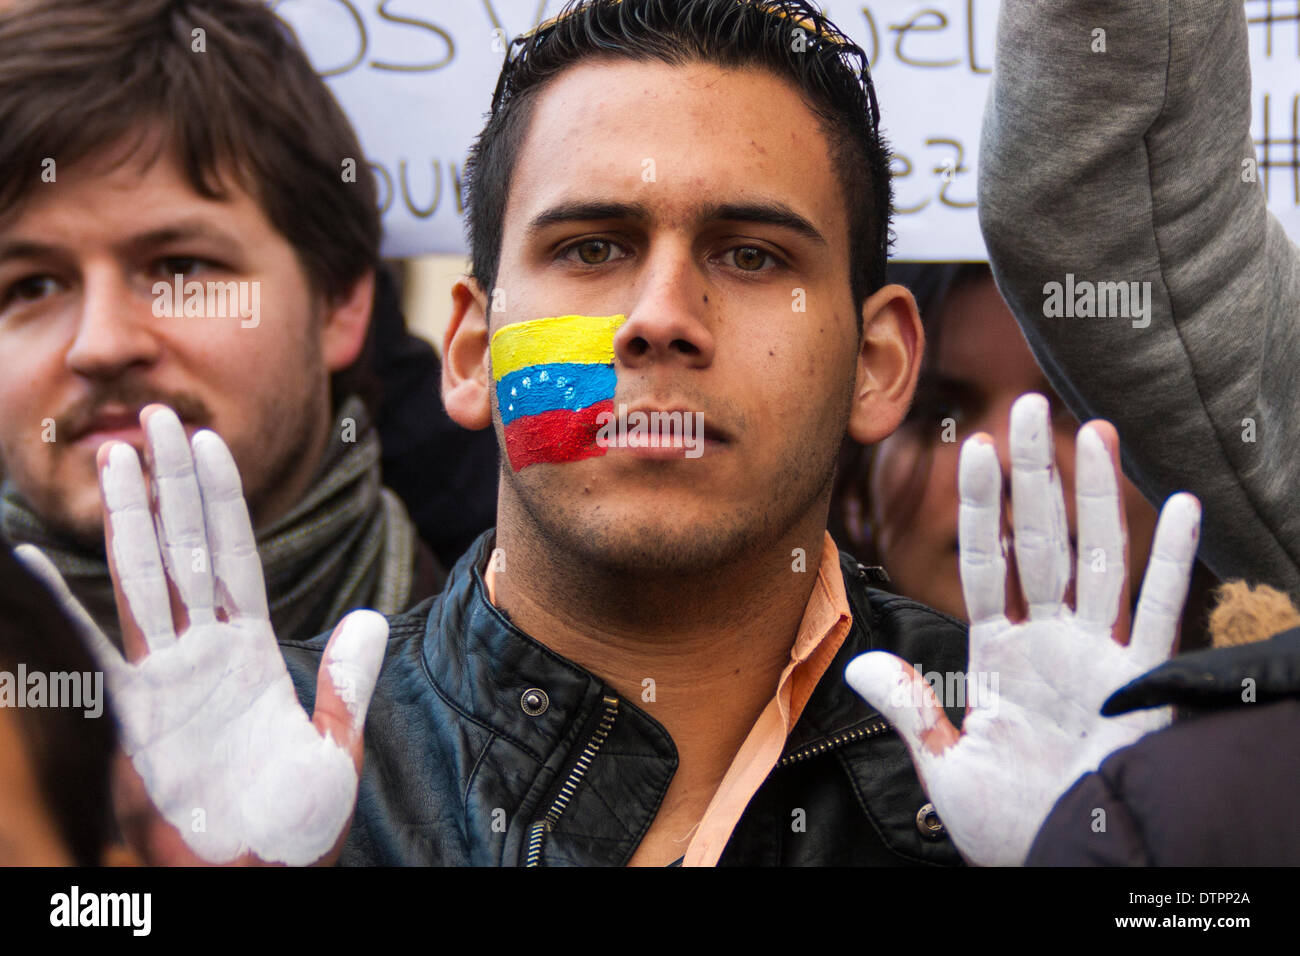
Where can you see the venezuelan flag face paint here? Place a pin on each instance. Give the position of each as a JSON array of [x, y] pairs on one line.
[[554, 376]]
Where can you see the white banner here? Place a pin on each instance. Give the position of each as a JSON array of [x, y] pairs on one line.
[[416, 77]]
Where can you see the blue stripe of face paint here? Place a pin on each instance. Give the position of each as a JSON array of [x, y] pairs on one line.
[[546, 388]]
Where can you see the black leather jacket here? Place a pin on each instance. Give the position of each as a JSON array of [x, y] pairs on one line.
[[484, 747]]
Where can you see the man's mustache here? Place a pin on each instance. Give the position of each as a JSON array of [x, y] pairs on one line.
[[78, 418]]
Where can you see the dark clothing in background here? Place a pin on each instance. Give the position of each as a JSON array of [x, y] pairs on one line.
[[445, 474], [1217, 788]]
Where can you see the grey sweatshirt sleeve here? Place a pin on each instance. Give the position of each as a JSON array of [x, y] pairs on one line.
[[1127, 166]]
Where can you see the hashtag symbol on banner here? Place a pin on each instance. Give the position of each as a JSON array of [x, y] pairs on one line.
[[1266, 15], [1269, 160]]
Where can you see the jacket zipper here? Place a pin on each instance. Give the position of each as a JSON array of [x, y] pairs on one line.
[[873, 729], [545, 825]]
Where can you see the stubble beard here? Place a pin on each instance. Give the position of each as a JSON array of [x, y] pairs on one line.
[[662, 545]]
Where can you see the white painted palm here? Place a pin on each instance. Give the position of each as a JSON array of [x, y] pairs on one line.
[[206, 707], [1035, 725]]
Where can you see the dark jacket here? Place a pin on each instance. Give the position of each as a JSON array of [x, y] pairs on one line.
[[1217, 788], [484, 747]]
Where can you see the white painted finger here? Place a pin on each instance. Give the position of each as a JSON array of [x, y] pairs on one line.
[[1164, 588], [979, 539], [135, 547], [107, 656], [1101, 566], [182, 535], [353, 659], [235, 562], [1038, 508], [904, 698]]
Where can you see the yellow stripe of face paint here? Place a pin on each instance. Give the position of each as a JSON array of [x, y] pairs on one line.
[[561, 338]]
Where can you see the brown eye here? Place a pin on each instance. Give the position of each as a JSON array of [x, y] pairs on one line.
[[32, 288], [749, 258], [28, 291], [594, 251], [179, 265]]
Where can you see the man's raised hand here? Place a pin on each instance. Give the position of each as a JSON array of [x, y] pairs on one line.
[[1036, 725], [206, 707]]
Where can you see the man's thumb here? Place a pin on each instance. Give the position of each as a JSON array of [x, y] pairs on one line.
[[348, 672], [905, 699]]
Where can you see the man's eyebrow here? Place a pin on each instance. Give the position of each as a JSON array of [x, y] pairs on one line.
[[175, 232], [587, 211], [26, 249], [767, 213], [179, 232]]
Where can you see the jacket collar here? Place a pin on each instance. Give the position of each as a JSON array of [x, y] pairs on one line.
[[834, 709]]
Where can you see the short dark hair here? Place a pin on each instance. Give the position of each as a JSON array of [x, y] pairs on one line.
[[71, 754], [829, 69], [80, 75]]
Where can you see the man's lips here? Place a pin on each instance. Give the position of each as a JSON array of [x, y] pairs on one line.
[[114, 425], [122, 425], [712, 431], [664, 441]]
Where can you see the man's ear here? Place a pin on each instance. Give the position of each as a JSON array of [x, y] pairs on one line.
[[466, 376], [889, 362], [343, 333]]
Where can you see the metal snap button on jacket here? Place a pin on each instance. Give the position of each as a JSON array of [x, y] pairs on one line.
[[534, 702], [928, 822]]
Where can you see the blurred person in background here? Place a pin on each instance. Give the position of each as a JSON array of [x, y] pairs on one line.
[[896, 503], [226, 174]]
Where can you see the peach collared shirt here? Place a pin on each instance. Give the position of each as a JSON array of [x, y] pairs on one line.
[[826, 622]]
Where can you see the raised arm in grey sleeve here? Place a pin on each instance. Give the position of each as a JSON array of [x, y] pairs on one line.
[[1127, 166]]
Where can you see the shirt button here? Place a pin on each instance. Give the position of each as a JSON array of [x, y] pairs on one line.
[[928, 822], [534, 702]]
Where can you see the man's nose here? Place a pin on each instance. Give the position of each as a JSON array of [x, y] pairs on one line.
[[668, 322], [115, 327]]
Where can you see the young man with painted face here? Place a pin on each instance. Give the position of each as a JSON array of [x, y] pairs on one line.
[[675, 207], [190, 139]]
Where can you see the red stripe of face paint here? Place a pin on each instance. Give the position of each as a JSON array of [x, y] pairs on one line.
[[555, 437]]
